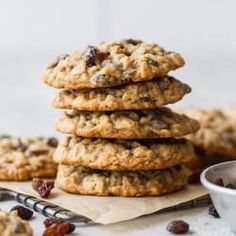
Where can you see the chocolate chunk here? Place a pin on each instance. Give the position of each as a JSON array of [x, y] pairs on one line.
[[178, 227]]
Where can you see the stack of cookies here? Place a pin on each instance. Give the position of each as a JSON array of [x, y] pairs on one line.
[[120, 139]]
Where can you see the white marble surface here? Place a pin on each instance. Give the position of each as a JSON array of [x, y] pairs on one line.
[[201, 224]]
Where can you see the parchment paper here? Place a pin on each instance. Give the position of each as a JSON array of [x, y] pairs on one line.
[[107, 210]]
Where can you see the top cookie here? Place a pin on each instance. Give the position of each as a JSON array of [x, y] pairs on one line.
[[217, 133], [26, 158], [111, 64]]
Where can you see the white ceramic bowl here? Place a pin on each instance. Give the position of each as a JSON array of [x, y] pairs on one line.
[[223, 198]]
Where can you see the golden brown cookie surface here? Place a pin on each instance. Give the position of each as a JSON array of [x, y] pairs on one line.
[[23, 158], [111, 64], [86, 181]]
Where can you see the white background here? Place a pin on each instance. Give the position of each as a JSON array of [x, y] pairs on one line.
[[35, 32]]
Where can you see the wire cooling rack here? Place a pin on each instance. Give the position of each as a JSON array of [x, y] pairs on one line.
[[48, 209]]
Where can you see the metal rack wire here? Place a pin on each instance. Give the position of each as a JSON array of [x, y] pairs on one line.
[[48, 209]]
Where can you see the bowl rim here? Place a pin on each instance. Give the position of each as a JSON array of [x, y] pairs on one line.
[[212, 186]]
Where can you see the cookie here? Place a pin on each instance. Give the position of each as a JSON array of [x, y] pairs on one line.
[[82, 180], [159, 123], [111, 64], [12, 225], [115, 154], [138, 96], [217, 133], [26, 158]]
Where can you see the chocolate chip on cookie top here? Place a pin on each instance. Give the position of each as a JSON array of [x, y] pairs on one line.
[[111, 64]]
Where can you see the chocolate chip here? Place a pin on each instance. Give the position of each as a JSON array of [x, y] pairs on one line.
[[94, 56], [213, 212], [159, 124], [23, 212], [178, 227], [38, 152], [164, 85], [219, 182], [52, 142]]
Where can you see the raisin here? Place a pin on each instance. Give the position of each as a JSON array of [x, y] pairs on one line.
[[219, 182], [52, 142], [23, 212], [36, 183], [59, 229], [178, 227], [102, 79], [229, 185], [45, 189], [50, 221], [213, 212], [94, 56], [38, 152], [133, 41], [159, 124]]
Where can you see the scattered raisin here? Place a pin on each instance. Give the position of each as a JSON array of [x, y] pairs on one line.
[[178, 227], [219, 182], [59, 229], [159, 124], [52, 142], [38, 152], [45, 189], [36, 183], [213, 212], [50, 221], [23, 212]]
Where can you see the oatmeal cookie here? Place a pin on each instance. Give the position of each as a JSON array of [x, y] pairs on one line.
[[217, 133], [12, 225], [115, 154], [111, 64], [138, 96], [82, 180], [26, 158], [159, 123]]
